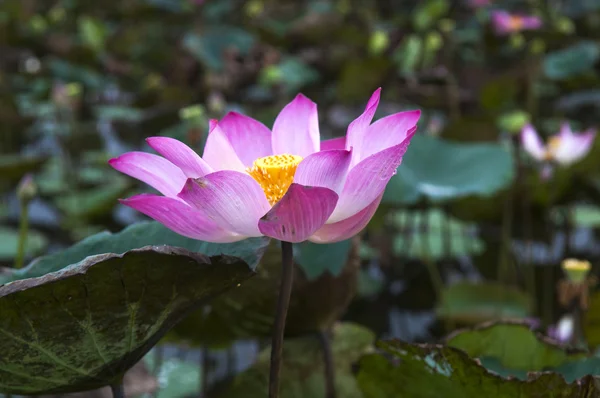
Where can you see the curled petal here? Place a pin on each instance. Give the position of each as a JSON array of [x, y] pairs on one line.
[[296, 129], [532, 143], [367, 180], [357, 130], [219, 153], [249, 138], [388, 132], [154, 170], [347, 228], [233, 200], [324, 169], [180, 218], [334, 143], [180, 155], [573, 147], [299, 214]]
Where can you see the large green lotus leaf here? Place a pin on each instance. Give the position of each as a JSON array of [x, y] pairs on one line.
[[433, 371], [571, 61], [441, 170], [9, 242], [249, 310], [133, 237], [82, 327], [472, 303], [418, 241], [513, 344], [13, 167], [302, 373]]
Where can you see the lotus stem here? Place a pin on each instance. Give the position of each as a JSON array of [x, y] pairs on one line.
[[23, 229], [117, 390], [204, 370], [283, 301], [329, 374]]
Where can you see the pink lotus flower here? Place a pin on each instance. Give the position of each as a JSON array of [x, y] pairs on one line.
[[563, 148], [505, 23], [284, 183]]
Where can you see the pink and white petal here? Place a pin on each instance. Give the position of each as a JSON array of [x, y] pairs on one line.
[[334, 143], [212, 123], [180, 218], [249, 138], [367, 180], [296, 128], [357, 130], [532, 143], [565, 130], [345, 229], [219, 153], [532, 22], [324, 169], [233, 200], [154, 170], [388, 132], [573, 147], [301, 212], [180, 155]]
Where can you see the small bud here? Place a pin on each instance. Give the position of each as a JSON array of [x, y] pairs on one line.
[[565, 25], [517, 41], [433, 41], [194, 116], [576, 270], [216, 102], [27, 189], [513, 122], [67, 95], [379, 41]]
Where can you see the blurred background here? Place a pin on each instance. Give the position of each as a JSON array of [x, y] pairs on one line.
[[471, 229]]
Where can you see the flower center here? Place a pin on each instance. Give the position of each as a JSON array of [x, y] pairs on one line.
[[515, 23], [551, 147], [275, 174]]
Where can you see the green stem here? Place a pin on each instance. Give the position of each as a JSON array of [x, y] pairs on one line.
[[117, 390], [329, 367], [436, 277], [507, 216], [283, 302], [23, 229]]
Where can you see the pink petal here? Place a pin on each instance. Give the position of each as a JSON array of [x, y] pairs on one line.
[[296, 129], [249, 138], [532, 143], [219, 153], [334, 143], [180, 155], [573, 147], [357, 130], [387, 132], [154, 170], [532, 23], [367, 180], [299, 214], [324, 169], [180, 218], [347, 228], [212, 123], [233, 200]]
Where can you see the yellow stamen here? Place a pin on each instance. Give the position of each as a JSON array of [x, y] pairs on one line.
[[551, 147], [576, 270], [275, 174]]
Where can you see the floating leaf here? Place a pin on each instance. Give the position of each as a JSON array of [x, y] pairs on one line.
[[431, 371], [441, 170], [84, 326], [571, 61], [425, 234], [302, 372], [133, 237], [9, 242], [472, 303], [513, 344]]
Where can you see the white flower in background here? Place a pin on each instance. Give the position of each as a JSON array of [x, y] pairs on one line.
[[564, 148]]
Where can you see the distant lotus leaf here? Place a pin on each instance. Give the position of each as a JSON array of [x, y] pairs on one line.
[[84, 326], [209, 46], [249, 311], [94, 202], [9, 242], [472, 303], [571, 61], [302, 372], [13, 167], [441, 170], [513, 344], [433, 371]]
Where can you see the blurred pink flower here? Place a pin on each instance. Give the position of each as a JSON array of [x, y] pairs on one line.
[[284, 183], [563, 148], [505, 23]]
